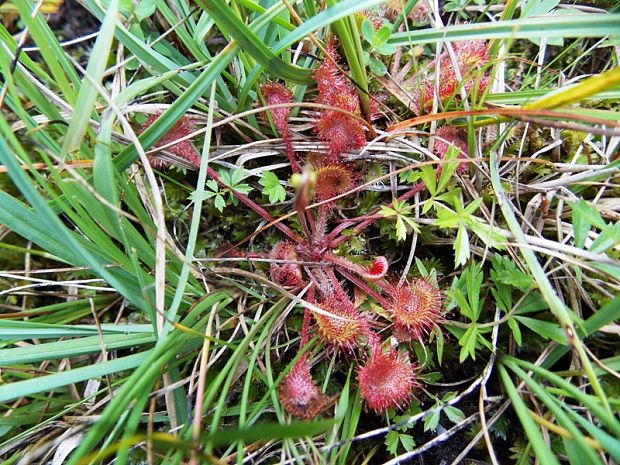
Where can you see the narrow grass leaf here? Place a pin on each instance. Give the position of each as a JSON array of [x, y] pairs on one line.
[[72, 348], [564, 315], [87, 96], [70, 244], [324, 18], [52, 53], [48, 383], [570, 389], [581, 25], [607, 314], [267, 431], [609, 443], [229, 23], [150, 366], [543, 453], [585, 89], [13, 330], [583, 452], [546, 329]]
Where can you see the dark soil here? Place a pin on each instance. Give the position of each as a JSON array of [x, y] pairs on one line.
[[72, 21]]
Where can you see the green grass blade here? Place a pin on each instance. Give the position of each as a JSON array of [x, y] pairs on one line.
[[47, 383], [23, 220], [230, 24], [543, 453], [178, 108], [149, 368], [62, 71], [325, 18], [581, 449], [589, 87], [94, 72], [582, 25], [564, 316], [267, 431], [195, 223], [154, 61], [70, 244], [523, 97], [594, 407], [609, 443], [12, 330], [349, 36], [71, 348]]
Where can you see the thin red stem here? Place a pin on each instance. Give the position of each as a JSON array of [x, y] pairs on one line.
[[337, 240], [319, 282], [305, 329], [321, 222], [365, 287], [290, 153], [344, 263], [311, 222], [256, 207], [334, 281]]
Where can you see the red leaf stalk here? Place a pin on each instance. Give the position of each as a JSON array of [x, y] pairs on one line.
[[452, 136], [275, 94], [285, 274], [256, 207], [470, 57], [340, 131], [375, 272], [335, 238], [183, 149]]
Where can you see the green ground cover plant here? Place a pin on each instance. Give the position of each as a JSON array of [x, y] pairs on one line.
[[301, 232]]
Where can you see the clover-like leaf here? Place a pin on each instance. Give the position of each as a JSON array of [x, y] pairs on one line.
[[272, 187]]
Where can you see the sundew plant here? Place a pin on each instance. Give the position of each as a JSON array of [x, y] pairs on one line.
[[293, 232]]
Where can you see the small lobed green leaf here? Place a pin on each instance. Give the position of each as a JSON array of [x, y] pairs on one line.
[[383, 34], [440, 342], [272, 187], [468, 344], [517, 279], [392, 442], [387, 212], [537, 7], [386, 49], [546, 329], [461, 247], [377, 67], [220, 203], [401, 229], [368, 31], [454, 414], [407, 441], [432, 421], [516, 331], [448, 168], [144, 9]]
